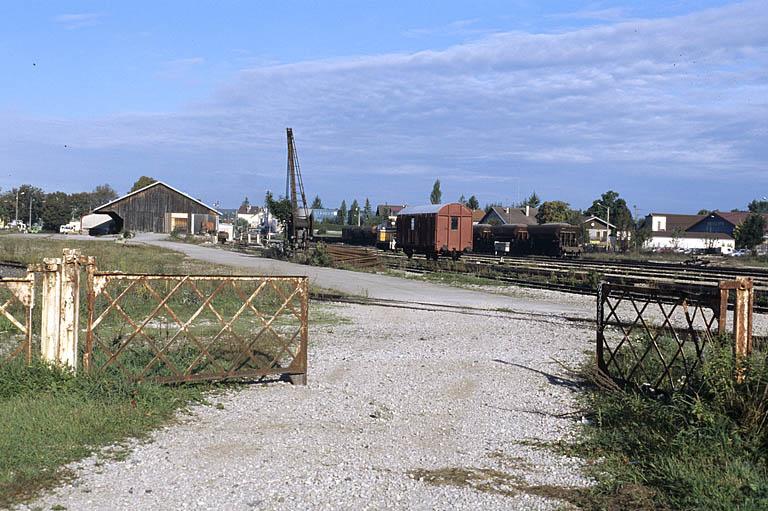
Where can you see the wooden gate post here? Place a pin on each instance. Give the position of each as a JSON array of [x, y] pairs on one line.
[[742, 317]]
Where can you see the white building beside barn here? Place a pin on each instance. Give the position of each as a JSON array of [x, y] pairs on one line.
[[675, 232]]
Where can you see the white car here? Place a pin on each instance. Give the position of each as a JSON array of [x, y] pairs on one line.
[[70, 228]]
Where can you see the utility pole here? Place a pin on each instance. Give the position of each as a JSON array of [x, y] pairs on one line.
[[29, 225], [608, 225], [17, 205]]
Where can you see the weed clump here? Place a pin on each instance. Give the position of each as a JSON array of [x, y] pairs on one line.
[[702, 448]]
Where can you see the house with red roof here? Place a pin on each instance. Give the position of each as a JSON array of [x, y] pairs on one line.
[[714, 231]]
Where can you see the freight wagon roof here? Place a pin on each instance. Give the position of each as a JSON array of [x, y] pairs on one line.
[[427, 209]]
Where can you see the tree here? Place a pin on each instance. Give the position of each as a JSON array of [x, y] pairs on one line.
[[281, 209], [751, 232], [436, 196], [704, 212], [674, 238], [142, 182], [354, 213], [462, 200], [553, 211], [367, 212], [101, 195], [758, 206], [620, 216], [30, 198], [472, 203], [317, 203], [533, 201], [641, 234], [57, 211], [343, 212], [491, 205]]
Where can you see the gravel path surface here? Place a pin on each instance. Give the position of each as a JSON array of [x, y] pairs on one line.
[[404, 409]]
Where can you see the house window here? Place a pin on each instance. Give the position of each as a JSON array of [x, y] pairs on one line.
[[454, 223]]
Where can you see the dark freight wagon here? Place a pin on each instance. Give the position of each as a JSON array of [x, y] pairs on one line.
[[435, 229], [555, 239]]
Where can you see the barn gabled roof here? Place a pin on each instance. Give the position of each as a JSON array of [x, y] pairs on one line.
[[156, 183]]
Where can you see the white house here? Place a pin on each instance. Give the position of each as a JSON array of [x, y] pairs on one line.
[[689, 232]]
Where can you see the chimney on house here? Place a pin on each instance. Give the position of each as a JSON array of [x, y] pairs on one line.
[[527, 210]]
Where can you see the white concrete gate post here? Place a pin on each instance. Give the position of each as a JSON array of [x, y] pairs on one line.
[[61, 309]]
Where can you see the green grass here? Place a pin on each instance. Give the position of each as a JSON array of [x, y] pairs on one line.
[[51, 418], [110, 256], [451, 278], [705, 448]]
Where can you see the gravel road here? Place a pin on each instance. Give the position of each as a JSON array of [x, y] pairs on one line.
[[404, 409]]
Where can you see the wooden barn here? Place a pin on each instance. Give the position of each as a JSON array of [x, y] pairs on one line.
[[161, 208]]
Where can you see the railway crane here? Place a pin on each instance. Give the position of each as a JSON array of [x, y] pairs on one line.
[[298, 229]]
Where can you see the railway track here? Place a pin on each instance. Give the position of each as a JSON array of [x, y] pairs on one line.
[[12, 269], [580, 277]]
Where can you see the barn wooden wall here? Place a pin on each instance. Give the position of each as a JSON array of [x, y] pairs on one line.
[[147, 211]]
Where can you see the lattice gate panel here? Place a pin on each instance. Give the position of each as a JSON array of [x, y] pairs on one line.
[[16, 303], [187, 328], [653, 338]]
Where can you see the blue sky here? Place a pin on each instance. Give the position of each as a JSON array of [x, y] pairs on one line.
[[665, 102]]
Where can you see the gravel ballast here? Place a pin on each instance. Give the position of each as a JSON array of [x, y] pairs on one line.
[[405, 409]]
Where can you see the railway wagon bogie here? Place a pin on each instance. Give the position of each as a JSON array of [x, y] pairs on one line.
[[435, 230]]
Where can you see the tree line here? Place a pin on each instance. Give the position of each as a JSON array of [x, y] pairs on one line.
[[31, 205]]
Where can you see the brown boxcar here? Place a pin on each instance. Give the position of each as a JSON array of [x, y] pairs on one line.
[[435, 229]]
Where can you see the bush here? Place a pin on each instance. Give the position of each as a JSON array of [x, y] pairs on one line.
[[319, 256]]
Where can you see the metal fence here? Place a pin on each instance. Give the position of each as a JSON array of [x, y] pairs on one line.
[[165, 328], [654, 336], [17, 298], [179, 328]]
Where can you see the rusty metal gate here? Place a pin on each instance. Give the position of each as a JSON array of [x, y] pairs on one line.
[[180, 328], [17, 299], [654, 336]]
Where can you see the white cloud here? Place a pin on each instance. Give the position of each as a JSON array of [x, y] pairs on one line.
[[79, 20], [686, 96]]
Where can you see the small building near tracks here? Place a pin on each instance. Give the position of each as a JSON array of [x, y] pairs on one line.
[[161, 208], [503, 216]]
